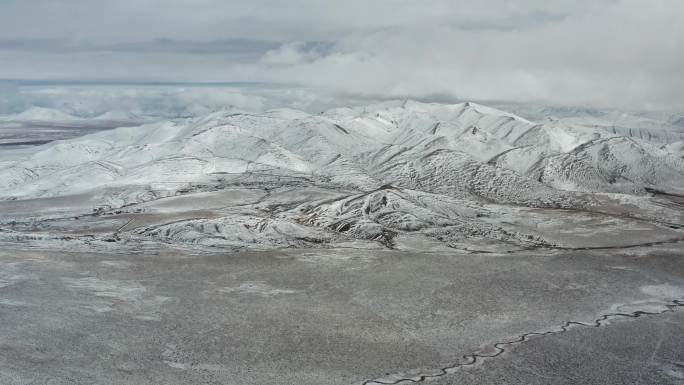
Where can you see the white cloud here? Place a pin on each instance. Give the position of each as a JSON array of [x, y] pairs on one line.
[[288, 54], [616, 53], [627, 54]]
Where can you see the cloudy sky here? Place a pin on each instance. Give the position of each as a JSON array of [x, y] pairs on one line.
[[613, 53]]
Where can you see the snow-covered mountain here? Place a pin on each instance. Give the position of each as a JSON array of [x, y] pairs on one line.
[[40, 114], [388, 169], [51, 115], [119, 116]]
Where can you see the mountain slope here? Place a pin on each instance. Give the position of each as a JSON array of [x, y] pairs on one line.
[[401, 172]]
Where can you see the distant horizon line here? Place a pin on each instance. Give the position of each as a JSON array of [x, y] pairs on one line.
[[433, 98], [133, 82]]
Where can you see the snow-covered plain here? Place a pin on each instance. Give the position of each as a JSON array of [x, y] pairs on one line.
[[401, 175]]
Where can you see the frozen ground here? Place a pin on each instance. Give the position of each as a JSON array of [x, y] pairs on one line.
[[337, 316], [387, 244]]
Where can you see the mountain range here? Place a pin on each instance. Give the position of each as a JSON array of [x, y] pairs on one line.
[[394, 174]]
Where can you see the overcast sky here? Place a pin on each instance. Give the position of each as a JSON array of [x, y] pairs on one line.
[[615, 53]]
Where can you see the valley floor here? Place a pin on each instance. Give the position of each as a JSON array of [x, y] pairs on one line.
[[339, 316]]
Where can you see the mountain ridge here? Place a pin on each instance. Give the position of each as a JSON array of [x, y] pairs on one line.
[[394, 157]]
